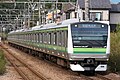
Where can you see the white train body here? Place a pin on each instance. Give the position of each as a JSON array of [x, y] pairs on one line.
[[81, 46]]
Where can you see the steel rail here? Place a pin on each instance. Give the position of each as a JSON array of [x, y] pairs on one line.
[[38, 74], [17, 69]]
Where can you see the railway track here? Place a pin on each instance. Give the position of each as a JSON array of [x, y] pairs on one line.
[[102, 77], [96, 77], [24, 69]]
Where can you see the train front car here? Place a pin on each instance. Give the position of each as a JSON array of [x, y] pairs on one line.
[[89, 46]]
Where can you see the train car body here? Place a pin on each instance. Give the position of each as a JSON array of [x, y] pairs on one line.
[[81, 46]]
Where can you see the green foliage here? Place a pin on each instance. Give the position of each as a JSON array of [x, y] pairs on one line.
[[3, 36], [114, 61], [48, 5], [2, 62]]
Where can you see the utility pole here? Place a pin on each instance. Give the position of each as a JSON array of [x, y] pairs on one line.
[[44, 21], [28, 16], [53, 7], [39, 6], [86, 10], [24, 15], [56, 8]]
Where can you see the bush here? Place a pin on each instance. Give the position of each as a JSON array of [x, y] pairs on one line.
[[2, 62], [114, 61]]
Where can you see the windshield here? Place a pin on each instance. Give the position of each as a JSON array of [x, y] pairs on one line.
[[89, 34]]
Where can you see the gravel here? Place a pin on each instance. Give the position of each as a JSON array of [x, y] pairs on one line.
[[10, 73], [52, 72], [47, 69], [113, 76]]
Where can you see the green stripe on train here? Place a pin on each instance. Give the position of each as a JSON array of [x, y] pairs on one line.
[[48, 46], [90, 50]]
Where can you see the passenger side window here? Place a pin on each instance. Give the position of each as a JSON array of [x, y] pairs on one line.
[[66, 38], [49, 38], [55, 38], [59, 38]]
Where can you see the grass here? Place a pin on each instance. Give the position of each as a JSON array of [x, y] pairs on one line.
[[2, 62], [114, 61]]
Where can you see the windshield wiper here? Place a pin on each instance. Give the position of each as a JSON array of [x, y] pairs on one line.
[[101, 43], [91, 44]]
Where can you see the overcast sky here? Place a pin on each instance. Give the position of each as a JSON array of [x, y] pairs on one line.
[[115, 1]]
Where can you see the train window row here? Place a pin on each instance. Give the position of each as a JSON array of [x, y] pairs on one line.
[[58, 38]]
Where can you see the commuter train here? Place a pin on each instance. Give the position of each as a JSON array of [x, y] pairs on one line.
[[80, 46]]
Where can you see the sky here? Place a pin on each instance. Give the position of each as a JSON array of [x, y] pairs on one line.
[[115, 1]]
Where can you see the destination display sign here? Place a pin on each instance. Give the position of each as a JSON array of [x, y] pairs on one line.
[[90, 25]]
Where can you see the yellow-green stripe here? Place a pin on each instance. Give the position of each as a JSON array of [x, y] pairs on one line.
[[90, 50]]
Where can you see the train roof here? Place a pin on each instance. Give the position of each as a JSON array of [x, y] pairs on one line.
[[64, 23], [49, 26]]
